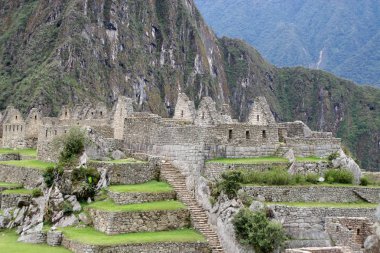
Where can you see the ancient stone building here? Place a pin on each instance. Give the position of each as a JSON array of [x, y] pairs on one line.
[[185, 109], [260, 113]]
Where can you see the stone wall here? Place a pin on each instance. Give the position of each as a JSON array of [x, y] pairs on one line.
[[113, 223], [303, 218], [351, 232], [123, 109], [10, 157], [28, 177], [10, 200], [314, 193], [309, 167], [320, 147], [128, 173], [260, 113], [123, 198], [320, 250], [213, 171], [78, 247], [184, 109]]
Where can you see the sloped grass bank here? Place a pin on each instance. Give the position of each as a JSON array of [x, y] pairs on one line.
[[110, 206], [34, 164], [250, 160], [149, 187]]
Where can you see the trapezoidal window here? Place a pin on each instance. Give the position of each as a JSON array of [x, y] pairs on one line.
[[35, 117], [182, 113], [230, 134], [264, 134], [258, 118], [16, 117], [65, 113], [247, 135], [101, 113], [358, 231], [203, 115]]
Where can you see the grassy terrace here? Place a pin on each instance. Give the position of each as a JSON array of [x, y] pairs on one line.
[[35, 164], [252, 160], [311, 159], [153, 187], [9, 244], [93, 237], [18, 191], [321, 204], [121, 161], [10, 185], [144, 207], [25, 152], [314, 185]]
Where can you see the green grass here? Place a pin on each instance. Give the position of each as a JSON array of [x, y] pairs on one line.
[[311, 159], [10, 185], [326, 204], [9, 244], [316, 185], [25, 152], [252, 160], [18, 191], [35, 164], [150, 206], [93, 237], [153, 187], [122, 161]]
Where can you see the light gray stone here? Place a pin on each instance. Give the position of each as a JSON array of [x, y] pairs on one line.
[[67, 221]]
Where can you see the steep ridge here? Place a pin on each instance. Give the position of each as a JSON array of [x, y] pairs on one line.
[[73, 51]]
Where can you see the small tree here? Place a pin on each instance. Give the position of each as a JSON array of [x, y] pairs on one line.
[[73, 144], [255, 229], [230, 183]]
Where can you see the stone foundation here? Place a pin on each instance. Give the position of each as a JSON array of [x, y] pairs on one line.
[[128, 222], [11, 200], [28, 177], [10, 157], [320, 250], [314, 193], [128, 173], [78, 247], [123, 198]]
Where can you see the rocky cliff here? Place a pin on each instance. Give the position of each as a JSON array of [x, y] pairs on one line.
[[71, 51]]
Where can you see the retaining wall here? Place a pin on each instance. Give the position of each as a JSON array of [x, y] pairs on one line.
[[28, 177], [11, 200], [123, 198]]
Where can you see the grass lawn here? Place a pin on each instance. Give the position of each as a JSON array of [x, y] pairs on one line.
[[122, 161], [311, 159], [35, 164], [149, 206], [332, 205], [9, 244], [153, 186], [93, 237], [18, 191], [252, 160], [25, 152], [10, 185]]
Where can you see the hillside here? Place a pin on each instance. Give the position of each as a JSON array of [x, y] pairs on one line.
[[78, 51], [341, 36]]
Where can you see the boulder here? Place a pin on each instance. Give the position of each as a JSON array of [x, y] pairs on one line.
[[34, 237], [67, 221], [346, 162], [117, 155], [72, 199], [83, 217], [257, 206]]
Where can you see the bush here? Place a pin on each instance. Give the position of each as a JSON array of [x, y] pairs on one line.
[[333, 156], [312, 178], [37, 192], [245, 198], [66, 207], [255, 229], [339, 176], [230, 183], [52, 174], [84, 182], [73, 145], [364, 181]]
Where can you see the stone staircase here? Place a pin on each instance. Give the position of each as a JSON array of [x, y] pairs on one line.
[[281, 151], [198, 215]]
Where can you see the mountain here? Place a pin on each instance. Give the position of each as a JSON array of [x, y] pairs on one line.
[[76, 51], [342, 37]]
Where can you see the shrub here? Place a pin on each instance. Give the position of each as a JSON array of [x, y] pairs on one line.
[[66, 207], [364, 181], [52, 174], [37, 192], [245, 198], [340, 176], [255, 229], [84, 182], [333, 156], [230, 183], [73, 145], [312, 178]]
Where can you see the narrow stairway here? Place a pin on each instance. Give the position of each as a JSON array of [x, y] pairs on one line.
[[199, 217]]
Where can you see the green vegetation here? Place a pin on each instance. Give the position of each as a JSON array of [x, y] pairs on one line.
[[256, 230], [51, 174], [73, 146], [37, 192], [150, 206], [252, 160], [10, 185], [24, 152], [123, 161], [153, 186], [340, 176], [230, 184], [9, 244], [311, 159], [18, 191], [93, 237], [326, 204], [84, 182], [35, 164]]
